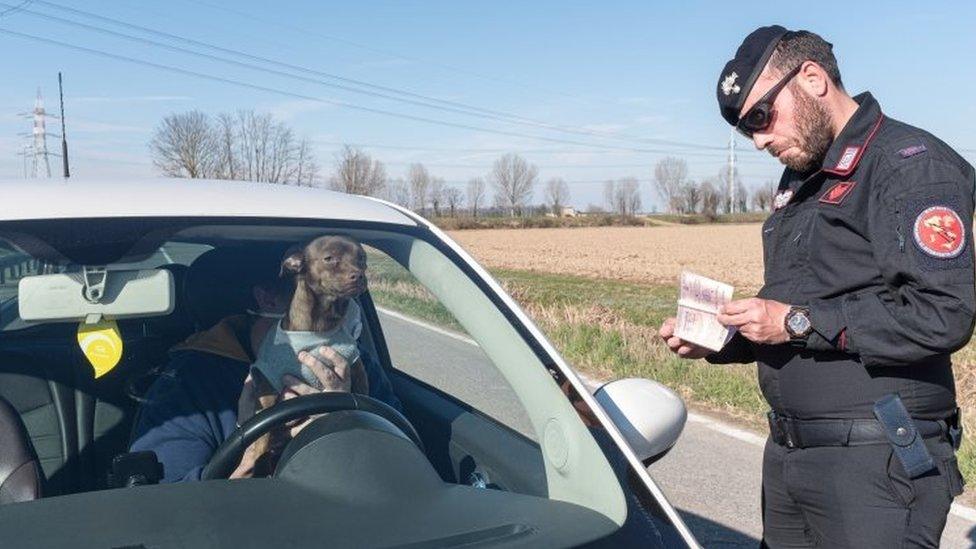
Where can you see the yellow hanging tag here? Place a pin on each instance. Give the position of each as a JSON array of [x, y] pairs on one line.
[[102, 344]]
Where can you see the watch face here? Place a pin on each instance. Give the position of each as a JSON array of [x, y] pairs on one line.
[[798, 323]]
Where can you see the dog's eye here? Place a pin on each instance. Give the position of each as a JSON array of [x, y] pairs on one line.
[[327, 258]]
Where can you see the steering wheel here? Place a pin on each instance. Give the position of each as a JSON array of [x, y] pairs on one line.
[[229, 453]]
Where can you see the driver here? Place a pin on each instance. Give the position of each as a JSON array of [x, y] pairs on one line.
[[204, 392]]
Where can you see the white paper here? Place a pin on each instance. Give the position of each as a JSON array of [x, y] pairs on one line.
[[699, 300]]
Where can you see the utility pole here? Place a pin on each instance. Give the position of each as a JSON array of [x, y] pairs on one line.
[[733, 200], [40, 163], [64, 136]]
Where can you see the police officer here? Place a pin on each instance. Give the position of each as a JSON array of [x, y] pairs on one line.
[[869, 288]]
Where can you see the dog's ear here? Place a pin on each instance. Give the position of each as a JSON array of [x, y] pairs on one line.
[[293, 263]]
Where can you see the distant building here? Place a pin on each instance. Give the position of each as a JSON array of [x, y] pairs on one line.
[[567, 211]]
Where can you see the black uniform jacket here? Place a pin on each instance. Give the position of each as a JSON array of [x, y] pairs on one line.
[[878, 242]]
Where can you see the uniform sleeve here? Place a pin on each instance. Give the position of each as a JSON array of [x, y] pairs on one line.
[[737, 351], [380, 387], [920, 218], [190, 409]]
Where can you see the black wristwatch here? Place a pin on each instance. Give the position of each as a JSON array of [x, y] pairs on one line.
[[797, 323]]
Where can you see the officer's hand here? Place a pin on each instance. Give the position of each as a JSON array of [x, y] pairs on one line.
[[758, 320], [679, 346]]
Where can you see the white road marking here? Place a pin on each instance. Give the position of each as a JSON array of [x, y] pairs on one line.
[[961, 511], [728, 430], [430, 327], [166, 256]]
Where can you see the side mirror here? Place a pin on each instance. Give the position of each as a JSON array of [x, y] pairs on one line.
[[648, 414]]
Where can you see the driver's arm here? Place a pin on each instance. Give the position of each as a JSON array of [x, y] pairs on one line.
[[191, 409]]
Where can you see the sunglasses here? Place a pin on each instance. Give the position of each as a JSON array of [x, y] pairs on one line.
[[760, 116]]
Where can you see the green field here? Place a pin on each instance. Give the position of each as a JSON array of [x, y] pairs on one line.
[[608, 330]]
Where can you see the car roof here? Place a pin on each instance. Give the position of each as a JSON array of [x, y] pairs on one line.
[[22, 199]]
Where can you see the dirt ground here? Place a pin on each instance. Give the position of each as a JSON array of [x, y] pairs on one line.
[[730, 253]]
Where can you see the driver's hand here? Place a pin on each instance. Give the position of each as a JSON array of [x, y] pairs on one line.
[[330, 368], [332, 371]]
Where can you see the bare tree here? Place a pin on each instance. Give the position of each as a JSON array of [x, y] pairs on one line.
[[453, 197], [513, 179], [670, 175], [225, 130], [723, 178], [398, 192], [692, 197], [241, 146], [557, 195], [419, 179], [358, 173], [183, 145], [609, 190], [267, 149], [306, 171], [476, 194], [626, 197], [710, 198], [763, 197], [436, 194]]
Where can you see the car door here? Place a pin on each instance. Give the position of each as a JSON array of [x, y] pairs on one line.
[[475, 429]]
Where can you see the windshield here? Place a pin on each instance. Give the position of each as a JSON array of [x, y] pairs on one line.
[[490, 410]]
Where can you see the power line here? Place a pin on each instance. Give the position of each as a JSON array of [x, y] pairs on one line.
[[415, 148], [419, 99], [14, 9], [318, 34], [323, 100]]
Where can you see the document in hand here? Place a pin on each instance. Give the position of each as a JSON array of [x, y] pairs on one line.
[[699, 300]]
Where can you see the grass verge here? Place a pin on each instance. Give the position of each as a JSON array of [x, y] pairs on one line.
[[609, 330]]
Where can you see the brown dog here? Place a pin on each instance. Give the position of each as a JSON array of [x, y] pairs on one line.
[[329, 273]]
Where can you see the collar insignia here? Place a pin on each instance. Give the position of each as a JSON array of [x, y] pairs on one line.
[[782, 199], [847, 159], [836, 194]]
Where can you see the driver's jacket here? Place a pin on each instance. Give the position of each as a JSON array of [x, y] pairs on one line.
[[878, 243], [192, 406]]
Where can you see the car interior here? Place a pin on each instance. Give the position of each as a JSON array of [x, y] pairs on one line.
[[65, 427]]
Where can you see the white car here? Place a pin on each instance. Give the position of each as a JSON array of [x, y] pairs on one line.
[[493, 440]]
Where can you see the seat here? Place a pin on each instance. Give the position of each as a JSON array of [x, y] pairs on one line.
[[20, 470], [219, 282]]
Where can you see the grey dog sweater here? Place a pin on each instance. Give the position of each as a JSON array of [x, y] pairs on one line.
[[278, 354]]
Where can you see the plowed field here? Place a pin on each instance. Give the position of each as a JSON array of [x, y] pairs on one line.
[[730, 253]]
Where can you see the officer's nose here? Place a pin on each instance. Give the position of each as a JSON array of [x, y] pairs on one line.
[[762, 140]]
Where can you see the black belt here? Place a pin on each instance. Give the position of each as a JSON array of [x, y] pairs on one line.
[[809, 433]]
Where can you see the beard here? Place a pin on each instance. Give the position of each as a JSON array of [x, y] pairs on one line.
[[813, 126]]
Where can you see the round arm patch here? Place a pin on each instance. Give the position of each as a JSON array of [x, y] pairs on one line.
[[939, 232]]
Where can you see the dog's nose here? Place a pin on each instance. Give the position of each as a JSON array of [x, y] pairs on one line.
[[355, 276]]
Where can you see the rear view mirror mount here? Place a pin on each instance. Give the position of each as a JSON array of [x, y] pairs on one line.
[[95, 293]]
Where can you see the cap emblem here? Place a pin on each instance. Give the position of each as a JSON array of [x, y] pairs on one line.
[[728, 84]]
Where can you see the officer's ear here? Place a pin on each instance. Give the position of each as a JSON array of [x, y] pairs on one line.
[[813, 79]]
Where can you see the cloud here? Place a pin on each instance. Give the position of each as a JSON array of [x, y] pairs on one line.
[[652, 119], [639, 101], [102, 127]]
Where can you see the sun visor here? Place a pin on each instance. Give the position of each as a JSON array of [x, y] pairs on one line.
[[95, 294]]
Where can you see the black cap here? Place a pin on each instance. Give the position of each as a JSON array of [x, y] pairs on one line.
[[739, 74]]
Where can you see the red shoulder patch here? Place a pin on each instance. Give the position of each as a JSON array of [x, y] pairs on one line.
[[939, 232], [836, 194]]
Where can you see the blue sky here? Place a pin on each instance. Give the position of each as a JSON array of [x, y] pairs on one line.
[[641, 71]]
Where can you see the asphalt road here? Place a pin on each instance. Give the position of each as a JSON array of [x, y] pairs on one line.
[[712, 475]]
